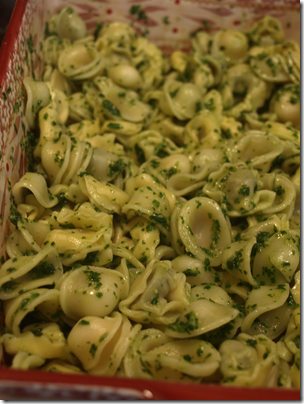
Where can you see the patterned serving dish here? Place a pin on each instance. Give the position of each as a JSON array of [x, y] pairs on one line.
[[168, 23]]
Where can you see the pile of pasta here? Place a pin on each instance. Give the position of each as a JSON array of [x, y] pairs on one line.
[[157, 234]]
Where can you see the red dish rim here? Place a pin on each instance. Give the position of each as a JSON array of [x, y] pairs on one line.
[[149, 389], [7, 47]]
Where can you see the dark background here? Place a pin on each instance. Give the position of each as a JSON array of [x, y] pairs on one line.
[[6, 9]]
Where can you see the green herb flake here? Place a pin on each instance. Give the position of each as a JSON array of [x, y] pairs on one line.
[[185, 326]]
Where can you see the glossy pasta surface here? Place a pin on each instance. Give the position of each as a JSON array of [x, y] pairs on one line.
[[157, 234]]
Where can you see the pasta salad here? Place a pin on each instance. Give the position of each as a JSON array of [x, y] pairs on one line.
[[157, 231]]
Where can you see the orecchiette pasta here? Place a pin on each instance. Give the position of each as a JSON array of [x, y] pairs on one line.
[[91, 290], [158, 234], [109, 339]]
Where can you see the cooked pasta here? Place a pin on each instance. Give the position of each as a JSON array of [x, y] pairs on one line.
[[158, 234]]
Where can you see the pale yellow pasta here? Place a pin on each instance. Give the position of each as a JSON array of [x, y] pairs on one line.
[[109, 338], [126, 76], [157, 295], [240, 78], [203, 130], [57, 80], [46, 301], [272, 268], [62, 105], [60, 366], [79, 107], [158, 233], [80, 61], [26, 273], [231, 45], [196, 270], [181, 360], [25, 361], [68, 24], [152, 204], [267, 31], [236, 260], [267, 310], [144, 238], [75, 245], [44, 340], [37, 184], [50, 127], [38, 96], [147, 144], [91, 290], [117, 36], [257, 150], [52, 47], [27, 239], [63, 160], [179, 61], [248, 360], [199, 317], [177, 99], [239, 189], [145, 341], [104, 195], [203, 229], [285, 104]]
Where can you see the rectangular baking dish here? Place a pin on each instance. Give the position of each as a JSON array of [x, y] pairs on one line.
[[20, 56]]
